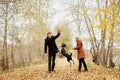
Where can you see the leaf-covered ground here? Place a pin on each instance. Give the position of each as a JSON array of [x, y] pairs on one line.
[[63, 71]]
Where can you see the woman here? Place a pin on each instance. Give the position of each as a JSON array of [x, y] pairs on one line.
[[80, 54]]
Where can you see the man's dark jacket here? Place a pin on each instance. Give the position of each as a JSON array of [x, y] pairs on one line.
[[50, 43]]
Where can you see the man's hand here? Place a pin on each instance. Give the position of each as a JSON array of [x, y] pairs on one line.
[[45, 55]]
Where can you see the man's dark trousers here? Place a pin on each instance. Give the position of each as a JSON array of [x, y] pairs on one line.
[[51, 61]]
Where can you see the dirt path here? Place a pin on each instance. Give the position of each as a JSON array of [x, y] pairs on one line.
[[63, 71]]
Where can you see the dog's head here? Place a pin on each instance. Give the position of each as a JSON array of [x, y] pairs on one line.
[[63, 45]]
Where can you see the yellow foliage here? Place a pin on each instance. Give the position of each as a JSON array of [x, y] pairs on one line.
[[99, 27], [85, 11], [109, 26], [112, 17], [97, 15], [117, 50], [103, 22], [118, 30]]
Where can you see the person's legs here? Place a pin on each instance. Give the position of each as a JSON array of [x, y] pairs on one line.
[[53, 62], [49, 63], [84, 63], [73, 61], [80, 65]]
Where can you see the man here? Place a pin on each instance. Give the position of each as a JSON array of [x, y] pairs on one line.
[[50, 43], [80, 54]]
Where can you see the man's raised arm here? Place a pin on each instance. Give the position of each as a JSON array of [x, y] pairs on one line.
[[57, 34]]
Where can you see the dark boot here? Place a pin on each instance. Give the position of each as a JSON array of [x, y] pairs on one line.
[[49, 69], [49, 64], [53, 62], [53, 66]]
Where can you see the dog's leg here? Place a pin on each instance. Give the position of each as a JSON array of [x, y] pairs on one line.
[[70, 63], [73, 62]]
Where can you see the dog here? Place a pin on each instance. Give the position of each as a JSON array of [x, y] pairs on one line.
[[64, 53]]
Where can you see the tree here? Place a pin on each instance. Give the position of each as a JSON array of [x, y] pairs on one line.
[[104, 18], [107, 25], [5, 56], [24, 31]]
